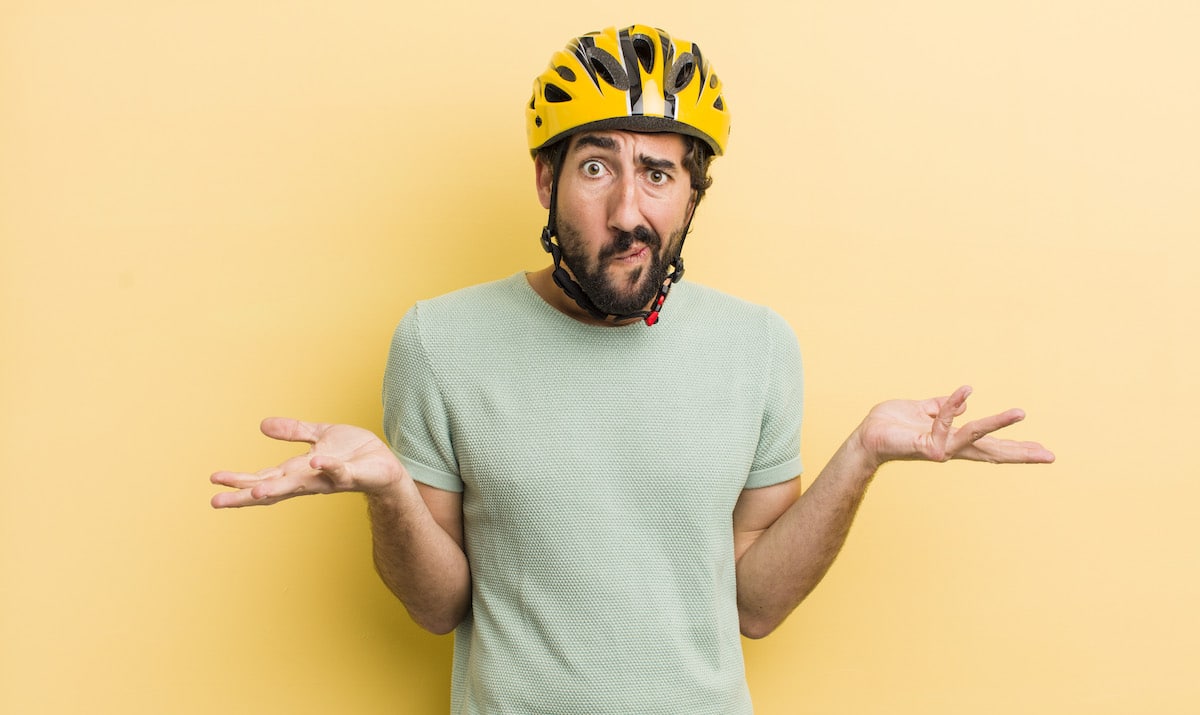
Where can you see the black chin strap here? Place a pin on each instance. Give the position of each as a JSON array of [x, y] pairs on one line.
[[575, 291]]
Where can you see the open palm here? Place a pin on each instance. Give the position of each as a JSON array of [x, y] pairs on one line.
[[342, 458], [924, 430]]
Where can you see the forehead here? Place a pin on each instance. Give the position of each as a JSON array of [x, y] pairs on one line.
[[666, 145]]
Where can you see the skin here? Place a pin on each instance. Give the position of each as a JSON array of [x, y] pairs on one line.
[[784, 540]]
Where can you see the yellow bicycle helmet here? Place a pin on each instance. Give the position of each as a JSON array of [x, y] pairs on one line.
[[637, 78]]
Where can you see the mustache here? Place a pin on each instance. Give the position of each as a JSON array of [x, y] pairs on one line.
[[624, 240]]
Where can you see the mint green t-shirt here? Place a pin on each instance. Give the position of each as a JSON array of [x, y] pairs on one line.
[[599, 468]]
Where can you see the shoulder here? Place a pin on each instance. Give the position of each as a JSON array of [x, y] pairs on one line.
[[727, 316], [483, 296], [486, 313], [486, 306]]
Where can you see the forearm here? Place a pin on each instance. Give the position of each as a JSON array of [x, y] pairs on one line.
[[418, 560], [790, 558]]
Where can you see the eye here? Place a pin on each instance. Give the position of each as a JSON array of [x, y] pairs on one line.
[[593, 168], [658, 177]]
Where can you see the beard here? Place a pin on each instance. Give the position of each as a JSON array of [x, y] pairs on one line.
[[622, 295]]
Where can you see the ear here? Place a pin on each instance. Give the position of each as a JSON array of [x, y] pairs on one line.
[[545, 177]]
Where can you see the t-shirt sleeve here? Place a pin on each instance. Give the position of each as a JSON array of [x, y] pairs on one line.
[[778, 456], [415, 417]]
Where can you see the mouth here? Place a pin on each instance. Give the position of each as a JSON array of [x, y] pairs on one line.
[[633, 255]]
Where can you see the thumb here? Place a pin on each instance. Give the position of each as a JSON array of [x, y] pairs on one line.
[[291, 430]]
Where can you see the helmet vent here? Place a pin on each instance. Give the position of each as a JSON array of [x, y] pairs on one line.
[[719, 105], [565, 72], [644, 47], [608, 68], [681, 73], [556, 94]]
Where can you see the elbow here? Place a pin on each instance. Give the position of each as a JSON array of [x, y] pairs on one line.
[[755, 626], [438, 628], [438, 624], [438, 616], [760, 620], [755, 632]]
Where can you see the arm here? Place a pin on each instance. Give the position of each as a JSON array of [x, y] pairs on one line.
[[785, 542], [419, 555], [417, 531]]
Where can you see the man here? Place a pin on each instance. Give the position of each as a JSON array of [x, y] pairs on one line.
[[598, 507]]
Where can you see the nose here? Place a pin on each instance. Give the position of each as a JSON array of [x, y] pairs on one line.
[[625, 209]]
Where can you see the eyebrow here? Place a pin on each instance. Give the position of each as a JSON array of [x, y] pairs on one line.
[[609, 144], [597, 141]]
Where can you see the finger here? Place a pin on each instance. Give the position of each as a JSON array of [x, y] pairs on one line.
[[1003, 451], [975, 430], [959, 399], [232, 500], [943, 422], [244, 483], [255, 490], [239, 498], [242, 480], [237, 480], [278, 488], [291, 430], [934, 405], [309, 481]]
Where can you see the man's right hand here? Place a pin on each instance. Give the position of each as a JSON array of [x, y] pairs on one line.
[[343, 458]]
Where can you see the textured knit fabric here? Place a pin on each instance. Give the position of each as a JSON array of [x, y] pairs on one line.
[[599, 468]]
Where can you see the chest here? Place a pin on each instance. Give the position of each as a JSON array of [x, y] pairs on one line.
[[571, 449]]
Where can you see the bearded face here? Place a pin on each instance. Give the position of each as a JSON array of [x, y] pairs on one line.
[[613, 287], [623, 201]]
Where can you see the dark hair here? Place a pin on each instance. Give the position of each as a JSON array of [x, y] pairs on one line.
[[697, 156]]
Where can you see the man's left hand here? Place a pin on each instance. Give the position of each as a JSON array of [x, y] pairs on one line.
[[924, 430]]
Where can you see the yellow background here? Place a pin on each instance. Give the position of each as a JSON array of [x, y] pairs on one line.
[[213, 212]]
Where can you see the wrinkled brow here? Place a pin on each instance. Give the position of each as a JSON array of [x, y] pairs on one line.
[[609, 144], [651, 162], [600, 142]]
